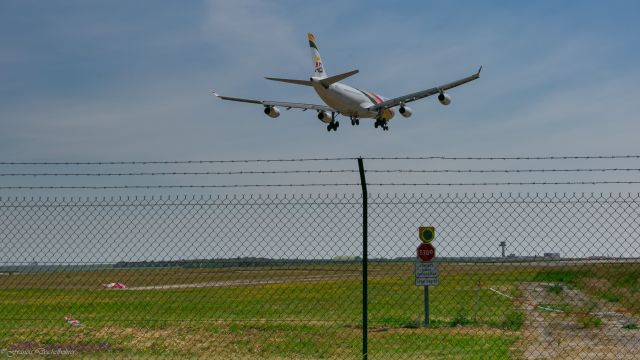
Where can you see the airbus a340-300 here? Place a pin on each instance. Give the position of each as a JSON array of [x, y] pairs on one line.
[[349, 101]]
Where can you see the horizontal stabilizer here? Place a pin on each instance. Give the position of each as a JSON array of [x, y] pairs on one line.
[[291, 81], [335, 78], [325, 82]]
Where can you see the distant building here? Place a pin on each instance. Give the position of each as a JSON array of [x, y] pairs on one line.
[[551, 255], [346, 258]]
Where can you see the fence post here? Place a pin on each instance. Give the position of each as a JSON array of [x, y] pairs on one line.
[[365, 260]]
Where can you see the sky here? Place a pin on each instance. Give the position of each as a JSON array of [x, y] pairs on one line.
[[122, 80], [128, 81]]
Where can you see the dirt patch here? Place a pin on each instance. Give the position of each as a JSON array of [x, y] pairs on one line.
[[565, 323]]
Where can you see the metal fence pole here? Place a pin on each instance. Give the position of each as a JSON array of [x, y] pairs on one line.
[[426, 306], [365, 259]]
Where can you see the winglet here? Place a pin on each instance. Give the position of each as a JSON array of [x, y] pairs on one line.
[[213, 92], [478, 73]]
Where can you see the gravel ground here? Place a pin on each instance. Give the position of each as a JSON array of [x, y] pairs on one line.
[[581, 327]]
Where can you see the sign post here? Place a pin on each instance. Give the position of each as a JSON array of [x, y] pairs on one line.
[[426, 271]]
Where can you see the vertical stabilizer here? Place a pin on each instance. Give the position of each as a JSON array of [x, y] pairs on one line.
[[318, 66]]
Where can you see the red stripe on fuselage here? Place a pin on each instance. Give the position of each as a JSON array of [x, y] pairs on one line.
[[376, 96], [372, 96]]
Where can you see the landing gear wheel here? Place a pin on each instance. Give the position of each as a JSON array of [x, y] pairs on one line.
[[329, 127], [376, 125], [357, 121]]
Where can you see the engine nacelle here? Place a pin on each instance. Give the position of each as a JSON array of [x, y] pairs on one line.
[[405, 111], [325, 117], [444, 98], [271, 111]]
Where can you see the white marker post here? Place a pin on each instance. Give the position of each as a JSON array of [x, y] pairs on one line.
[[426, 271]]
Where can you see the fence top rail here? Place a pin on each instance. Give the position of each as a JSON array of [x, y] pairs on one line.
[[300, 185], [320, 199]]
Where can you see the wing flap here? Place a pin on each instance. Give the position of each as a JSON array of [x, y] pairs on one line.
[[284, 104], [291, 105]]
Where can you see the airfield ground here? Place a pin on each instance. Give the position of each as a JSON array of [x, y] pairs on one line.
[[314, 311]]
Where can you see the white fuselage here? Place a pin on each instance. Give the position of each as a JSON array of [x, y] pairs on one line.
[[350, 101]]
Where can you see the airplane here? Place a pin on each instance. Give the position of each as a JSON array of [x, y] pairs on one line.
[[349, 101]]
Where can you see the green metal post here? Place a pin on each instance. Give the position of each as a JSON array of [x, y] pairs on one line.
[[365, 260], [426, 306]]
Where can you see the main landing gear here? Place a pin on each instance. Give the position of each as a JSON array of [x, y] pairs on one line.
[[355, 121], [382, 124], [333, 126]]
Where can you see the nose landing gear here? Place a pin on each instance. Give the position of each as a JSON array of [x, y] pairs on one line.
[[355, 121]]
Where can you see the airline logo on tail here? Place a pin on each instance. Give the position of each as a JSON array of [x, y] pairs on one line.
[[318, 65]]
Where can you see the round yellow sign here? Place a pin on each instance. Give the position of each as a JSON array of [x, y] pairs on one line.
[[426, 234]]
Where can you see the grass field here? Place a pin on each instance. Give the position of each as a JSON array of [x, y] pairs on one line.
[[301, 311]]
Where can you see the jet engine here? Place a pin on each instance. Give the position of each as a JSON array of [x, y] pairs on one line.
[[325, 117], [405, 111], [444, 98], [272, 111]]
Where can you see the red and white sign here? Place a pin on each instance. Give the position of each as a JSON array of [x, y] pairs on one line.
[[426, 252]]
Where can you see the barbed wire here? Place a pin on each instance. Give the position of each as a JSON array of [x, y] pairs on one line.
[[584, 157], [438, 157], [504, 170], [162, 173], [277, 172], [172, 162], [109, 187], [509, 183]]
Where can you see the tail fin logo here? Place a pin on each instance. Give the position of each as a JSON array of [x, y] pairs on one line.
[[318, 65]]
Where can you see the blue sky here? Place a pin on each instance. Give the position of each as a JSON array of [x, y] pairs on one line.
[[123, 80], [128, 80]]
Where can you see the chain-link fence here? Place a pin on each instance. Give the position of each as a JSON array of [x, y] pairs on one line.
[[520, 275]]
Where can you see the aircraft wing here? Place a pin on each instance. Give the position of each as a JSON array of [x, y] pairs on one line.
[[424, 93], [286, 105]]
